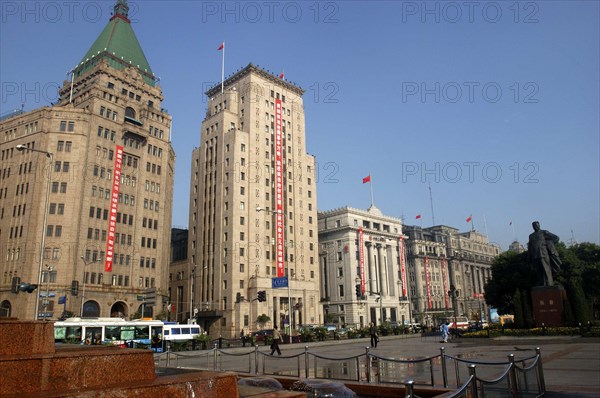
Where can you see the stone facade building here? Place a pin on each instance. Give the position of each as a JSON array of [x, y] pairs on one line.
[[440, 260], [365, 249], [253, 208], [92, 185]]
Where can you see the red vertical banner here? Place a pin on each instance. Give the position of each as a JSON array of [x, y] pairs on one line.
[[444, 284], [428, 283], [279, 209], [361, 255], [403, 266], [114, 203]]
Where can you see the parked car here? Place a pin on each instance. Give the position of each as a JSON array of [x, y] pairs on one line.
[[260, 335]]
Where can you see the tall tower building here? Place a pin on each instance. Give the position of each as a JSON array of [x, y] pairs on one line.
[[253, 210], [90, 181]]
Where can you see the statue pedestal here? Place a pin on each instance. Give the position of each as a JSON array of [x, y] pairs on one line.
[[548, 305]]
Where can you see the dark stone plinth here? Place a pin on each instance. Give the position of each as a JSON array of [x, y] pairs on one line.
[[31, 367], [75, 369], [26, 337], [548, 305]]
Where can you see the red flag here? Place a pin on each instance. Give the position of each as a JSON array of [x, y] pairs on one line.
[[367, 179], [222, 46], [418, 216], [282, 75], [469, 218]]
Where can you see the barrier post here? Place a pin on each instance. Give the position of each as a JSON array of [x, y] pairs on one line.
[[215, 358], [409, 388], [256, 359], [473, 381], [306, 361], [540, 371], [368, 364], [444, 370], [512, 375]]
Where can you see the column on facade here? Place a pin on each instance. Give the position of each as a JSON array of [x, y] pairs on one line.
[[372, 272], [419, 286], [323, 281], [383, 286], [393, 271], [276, 306]]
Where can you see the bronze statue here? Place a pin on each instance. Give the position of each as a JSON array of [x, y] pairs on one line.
[[542, 253]]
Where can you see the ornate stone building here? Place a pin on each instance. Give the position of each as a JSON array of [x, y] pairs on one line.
[[440, 260], [89, 180], [253, 208], [362, 250]]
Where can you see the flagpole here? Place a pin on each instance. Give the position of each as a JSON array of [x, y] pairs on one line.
[[371, 185], [513, 231], [223, 68]]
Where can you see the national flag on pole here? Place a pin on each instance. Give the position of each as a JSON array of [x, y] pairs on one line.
[[282, 74], [367, 179], [418, 216], [222, 46], [62, 300], [469, 218]]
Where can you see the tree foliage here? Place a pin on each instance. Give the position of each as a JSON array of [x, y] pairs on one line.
[[262, 320], [510, 273]]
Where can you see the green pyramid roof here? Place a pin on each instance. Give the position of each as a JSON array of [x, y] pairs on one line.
[[118, 45]]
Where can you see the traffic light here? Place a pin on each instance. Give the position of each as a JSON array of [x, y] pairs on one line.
[[262, 296], [16, 281], [74, 288], [27, 287], [358, 292], [238, 297]]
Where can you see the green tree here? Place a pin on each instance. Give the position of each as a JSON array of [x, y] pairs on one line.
[[510, 272], [518, 310], [262, 320]]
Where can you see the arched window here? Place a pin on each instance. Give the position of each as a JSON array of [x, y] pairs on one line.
[[91, 309], [130, 112]]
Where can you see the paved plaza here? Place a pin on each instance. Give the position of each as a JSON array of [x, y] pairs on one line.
[[571, 364]]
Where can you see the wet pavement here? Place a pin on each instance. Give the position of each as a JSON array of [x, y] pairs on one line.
[[571, 365]]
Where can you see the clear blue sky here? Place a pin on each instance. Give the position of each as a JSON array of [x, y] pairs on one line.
[[496, 104]]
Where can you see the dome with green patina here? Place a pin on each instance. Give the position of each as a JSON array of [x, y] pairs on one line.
[[118, 45]]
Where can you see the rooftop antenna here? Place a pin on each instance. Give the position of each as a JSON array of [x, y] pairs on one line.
[[431, 202], [572, 241]]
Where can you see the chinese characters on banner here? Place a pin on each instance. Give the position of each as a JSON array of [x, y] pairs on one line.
[[114, 202], [361, 253], [445, 286], [402, 266], [279, 215], [428, 283]]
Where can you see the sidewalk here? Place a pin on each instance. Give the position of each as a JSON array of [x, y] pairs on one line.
[[571, 364]]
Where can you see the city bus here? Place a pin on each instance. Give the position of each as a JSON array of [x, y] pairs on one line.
[[176, 332], [116, 331]]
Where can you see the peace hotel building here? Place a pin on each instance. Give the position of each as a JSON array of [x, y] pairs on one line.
[[441, 260], [253, 208], [89, 179]]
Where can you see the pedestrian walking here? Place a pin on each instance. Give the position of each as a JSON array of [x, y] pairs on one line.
[[444, 329], [276, 341], [373, 333]]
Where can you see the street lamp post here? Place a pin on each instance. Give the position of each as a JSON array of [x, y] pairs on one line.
[[192, 283], [50, 156], [45, 302], [85, 264], [258, 208]]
